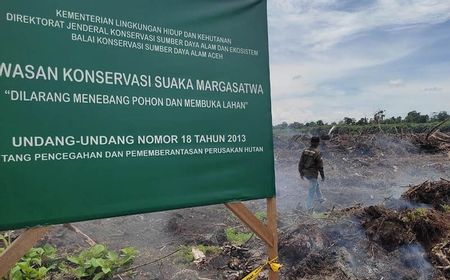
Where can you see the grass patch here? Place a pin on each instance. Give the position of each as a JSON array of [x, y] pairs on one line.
[[415, 214], [209, 250], [236, 237], [185, 255], [320, 215], [446, 208], [261, 215]]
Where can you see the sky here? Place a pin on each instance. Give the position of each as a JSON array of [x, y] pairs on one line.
[[331, 59]]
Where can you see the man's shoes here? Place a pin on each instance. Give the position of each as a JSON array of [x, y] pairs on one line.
[[322, 200]]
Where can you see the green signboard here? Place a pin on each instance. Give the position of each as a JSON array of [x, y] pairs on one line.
[[113, 107]]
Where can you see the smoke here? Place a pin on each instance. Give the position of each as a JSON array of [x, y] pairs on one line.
[[366, 169], [360, 170], [414, 257]]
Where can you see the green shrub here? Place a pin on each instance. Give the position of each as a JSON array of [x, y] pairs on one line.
[[5, 240], [94, 263], [35, 264], [98, 262]]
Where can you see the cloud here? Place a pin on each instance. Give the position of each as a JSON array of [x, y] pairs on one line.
[[285, 109], [396, 83], [337, 58], [433, 89], [397, 101], [319, 25], [410, 96]]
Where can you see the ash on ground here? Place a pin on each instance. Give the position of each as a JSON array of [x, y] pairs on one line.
[[386, 217]]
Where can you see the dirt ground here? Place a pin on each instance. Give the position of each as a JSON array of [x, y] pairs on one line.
[[337, 241], [333, 242]]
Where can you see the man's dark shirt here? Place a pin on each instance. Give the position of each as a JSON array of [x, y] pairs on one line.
[[311, 163]]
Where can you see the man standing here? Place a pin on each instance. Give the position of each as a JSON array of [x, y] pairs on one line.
[[310, 166]]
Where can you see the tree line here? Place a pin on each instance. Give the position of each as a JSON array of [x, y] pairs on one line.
[[378, 118]]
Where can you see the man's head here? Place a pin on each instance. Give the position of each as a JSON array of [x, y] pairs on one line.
[[315, 141]]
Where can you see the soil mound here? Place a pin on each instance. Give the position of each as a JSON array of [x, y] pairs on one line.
[[297, 244], [429, 227], [324, 264], [433, 142], [392, 229], [401, 242], [386, 227], [433, 193]]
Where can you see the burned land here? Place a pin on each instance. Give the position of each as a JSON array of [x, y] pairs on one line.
[[387, 216]]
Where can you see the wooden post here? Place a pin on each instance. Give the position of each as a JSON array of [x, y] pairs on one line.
[[267, 233], [246, 216], [272, 225], [19, 248]]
